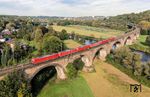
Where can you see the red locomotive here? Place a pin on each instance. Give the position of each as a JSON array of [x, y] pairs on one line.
[[68, 52], [44, 58]]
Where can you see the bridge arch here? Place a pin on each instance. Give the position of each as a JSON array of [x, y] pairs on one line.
[[85, 61], [101, 54], [116, 45], [78, 63], [135, 36], [59, 71], [41, 77], [128, 41]]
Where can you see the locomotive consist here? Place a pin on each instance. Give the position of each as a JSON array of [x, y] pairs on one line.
[[68, 52]]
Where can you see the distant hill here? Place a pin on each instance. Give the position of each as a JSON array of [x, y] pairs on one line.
[[120, 21]]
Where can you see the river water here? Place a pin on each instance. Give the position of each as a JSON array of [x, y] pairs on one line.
[[145, 56], [89, 42]]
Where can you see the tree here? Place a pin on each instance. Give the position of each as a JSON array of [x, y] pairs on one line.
[[50, 29], [145, 25], [38, 35], [6, 55], [148, 40], [38, 39], [127, 61], [10, 26], [71, 71], [146, 68], [15, 85], [63, 35], [18, 53], [120, 56], [72, 35], [136, 57], [44, 29], [137, 64], [52, 44]]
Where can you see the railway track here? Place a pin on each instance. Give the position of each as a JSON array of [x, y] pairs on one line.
[[13, 68]]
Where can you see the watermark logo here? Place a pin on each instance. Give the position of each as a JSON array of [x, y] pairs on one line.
[[135, 88]]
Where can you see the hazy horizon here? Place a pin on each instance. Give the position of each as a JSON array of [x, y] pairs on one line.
[[72, 8]]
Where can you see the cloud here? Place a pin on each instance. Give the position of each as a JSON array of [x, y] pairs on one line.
[[72, 7]]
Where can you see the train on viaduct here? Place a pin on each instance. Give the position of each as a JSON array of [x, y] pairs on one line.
[[86, 53]]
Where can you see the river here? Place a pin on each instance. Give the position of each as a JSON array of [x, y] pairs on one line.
[[145, 56]]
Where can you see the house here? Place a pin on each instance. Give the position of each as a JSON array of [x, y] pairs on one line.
[[2, 40], [6, 32]]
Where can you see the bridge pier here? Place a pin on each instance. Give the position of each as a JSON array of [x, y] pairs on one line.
[[88, 67], [128, 42], [60, 73], [102, 54], [134, 39], [118, 45]]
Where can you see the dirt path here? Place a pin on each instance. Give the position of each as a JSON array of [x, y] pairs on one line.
[[108, 81]]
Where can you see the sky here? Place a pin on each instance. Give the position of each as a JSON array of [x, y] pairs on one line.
[[71, 8]]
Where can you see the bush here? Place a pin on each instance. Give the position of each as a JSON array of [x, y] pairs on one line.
[[145, 32], [52, 44], [148, 40], [78, 64], [15, 85], [71, 71]]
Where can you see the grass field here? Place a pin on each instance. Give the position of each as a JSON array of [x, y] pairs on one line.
[[108, 81], [89, 31], [141, 42], [71, 44], [142, 38], [70, 88]]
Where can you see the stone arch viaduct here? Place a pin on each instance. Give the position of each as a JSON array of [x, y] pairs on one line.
[[86, 56]]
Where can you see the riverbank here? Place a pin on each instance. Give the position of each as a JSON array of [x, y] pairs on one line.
[[140, 45], [140, 48]]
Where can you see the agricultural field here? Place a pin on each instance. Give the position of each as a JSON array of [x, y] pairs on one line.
[[69, 88], [90, 31], [71, 44]]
